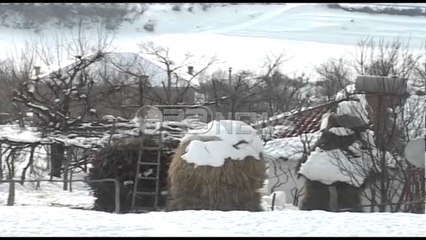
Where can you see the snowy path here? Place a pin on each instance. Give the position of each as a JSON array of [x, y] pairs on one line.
[[51, 221]]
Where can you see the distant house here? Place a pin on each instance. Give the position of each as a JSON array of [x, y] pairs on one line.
[[139, 64]]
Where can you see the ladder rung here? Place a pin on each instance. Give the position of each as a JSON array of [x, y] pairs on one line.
[[149, 178], [148, 163], [146, 193]]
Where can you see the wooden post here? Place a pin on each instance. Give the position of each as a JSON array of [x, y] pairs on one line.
[[117, 196], [1, 164], [11, 197], [71, 172], [67, 161], [273, 201]]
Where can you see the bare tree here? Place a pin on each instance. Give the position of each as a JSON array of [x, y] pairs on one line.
[[386, 176], [174, 86], [334, 76], [62, 98], [283, 93], [385, 58], [13, 72], [269, 92]]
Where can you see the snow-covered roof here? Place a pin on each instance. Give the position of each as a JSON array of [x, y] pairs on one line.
[[291, 148], [300, 122], [140, 64]]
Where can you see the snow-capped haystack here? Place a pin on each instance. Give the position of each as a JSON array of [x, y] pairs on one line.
[[221, 140], [218, 168]]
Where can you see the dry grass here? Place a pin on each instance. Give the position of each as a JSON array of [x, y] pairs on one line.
[[233, 186]]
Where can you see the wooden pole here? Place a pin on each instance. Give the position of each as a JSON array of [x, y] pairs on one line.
[[71, 172], [11, 197], [117, 196], [67, 161], [1, 164], [273, 201]]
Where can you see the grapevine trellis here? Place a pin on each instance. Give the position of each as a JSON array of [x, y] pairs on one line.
[[79, 142]]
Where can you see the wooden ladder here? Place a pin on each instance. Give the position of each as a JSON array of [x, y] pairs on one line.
[[140, 179]]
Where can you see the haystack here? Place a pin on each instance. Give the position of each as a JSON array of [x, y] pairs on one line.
[[119, 161], [232, 186]]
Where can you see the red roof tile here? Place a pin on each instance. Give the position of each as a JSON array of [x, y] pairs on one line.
[[306, 121]]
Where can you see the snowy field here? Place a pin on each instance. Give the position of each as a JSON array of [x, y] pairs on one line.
[[241, 35], [62, 222]]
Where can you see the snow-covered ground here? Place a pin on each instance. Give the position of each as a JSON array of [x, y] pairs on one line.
[[49, 193], [62, 222], [240, 35], [47, 210]]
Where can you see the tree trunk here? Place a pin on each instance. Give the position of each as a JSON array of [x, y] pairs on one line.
[[11, 197], [56, 158], [142, 81]]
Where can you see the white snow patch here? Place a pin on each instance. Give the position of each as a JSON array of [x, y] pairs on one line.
[[332, 166], [336, 166], [324, 121], [354, 108], [290, 148], [341, 131], [16, 134], [228, 139], [279, 201]]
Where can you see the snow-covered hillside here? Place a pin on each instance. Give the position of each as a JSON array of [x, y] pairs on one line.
[[240, 35]]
